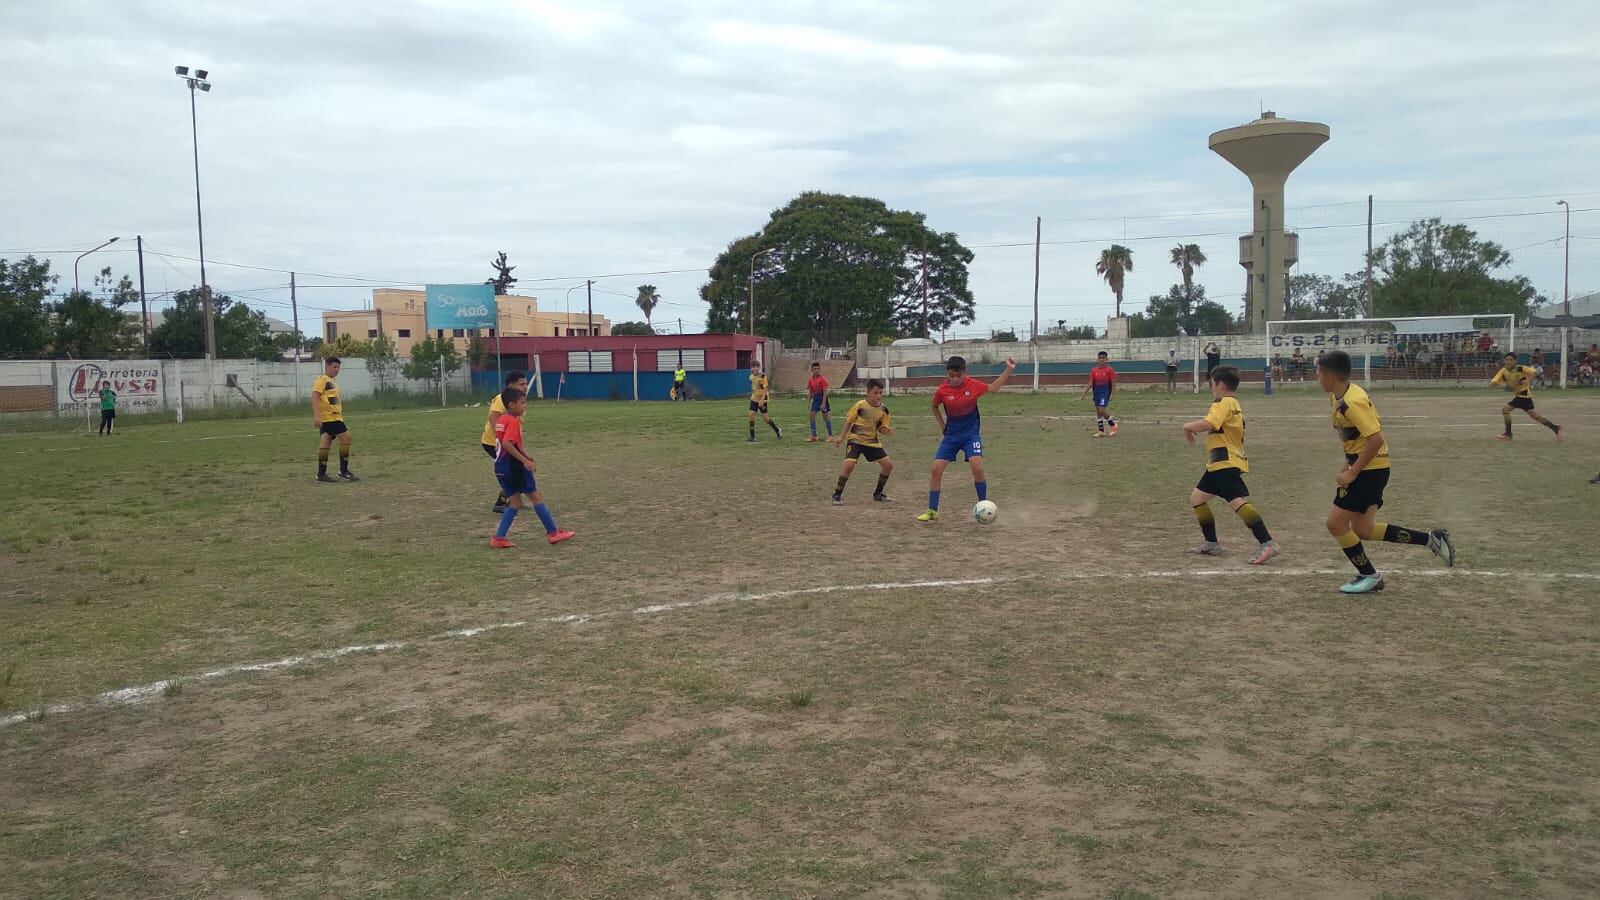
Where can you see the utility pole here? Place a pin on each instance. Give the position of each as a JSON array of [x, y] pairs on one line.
[[1369, 256], [588, 287], [294, 307], [1038, 234], [925, 332], [144, 307], [1566, 275]]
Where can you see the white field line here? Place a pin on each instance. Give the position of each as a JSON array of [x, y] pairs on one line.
[[365, 423], [146, 692]]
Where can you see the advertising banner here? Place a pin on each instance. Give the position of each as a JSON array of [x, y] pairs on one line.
[[137, 383], [464, 306]]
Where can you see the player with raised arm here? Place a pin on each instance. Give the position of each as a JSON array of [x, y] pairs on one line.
[[1519, 380], [862, 435], [955, 409], [1102, 380], [327, 414], [1226, 465], [1363, 478]]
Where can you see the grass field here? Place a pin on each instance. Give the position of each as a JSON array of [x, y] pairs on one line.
[[726, 686]]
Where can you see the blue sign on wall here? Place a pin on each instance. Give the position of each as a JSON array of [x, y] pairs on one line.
[[461, 306]]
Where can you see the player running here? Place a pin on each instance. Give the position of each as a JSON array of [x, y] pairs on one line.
[[328, 417], [955, 408], [497, 408], [1519, 380], [515, 469], [759, 394], [817, 389], [867, 421], [1226, 464], [1360, 483], [1102, 380]]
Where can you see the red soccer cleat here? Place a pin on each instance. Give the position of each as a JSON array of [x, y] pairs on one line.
[[556, 537], [1561, 433], [500, 543]]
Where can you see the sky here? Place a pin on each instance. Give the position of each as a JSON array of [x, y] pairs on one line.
[[362, 143]]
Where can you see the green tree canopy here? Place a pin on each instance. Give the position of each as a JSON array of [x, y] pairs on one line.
[[1313, 296], [88, 327], [631, 328], [647, 301], [1114, 264], [343, 346], [24, 312], [1181, 311], [242, 332], [832, 266], [1433, 269], [432, 359]]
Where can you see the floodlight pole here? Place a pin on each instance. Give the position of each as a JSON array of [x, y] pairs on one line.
[[76, 288], [198, 79]]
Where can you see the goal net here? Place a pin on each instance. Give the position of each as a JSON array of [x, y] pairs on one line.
[[1418, 349]]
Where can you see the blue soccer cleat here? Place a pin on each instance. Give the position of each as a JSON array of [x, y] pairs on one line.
[[1363, 584]]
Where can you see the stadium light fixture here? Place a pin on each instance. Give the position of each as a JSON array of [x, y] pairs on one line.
[[199, 80]]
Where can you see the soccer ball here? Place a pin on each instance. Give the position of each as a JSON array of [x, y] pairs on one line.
[[984, 511]]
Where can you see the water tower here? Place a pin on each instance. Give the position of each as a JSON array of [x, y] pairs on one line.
[[1266, 151]]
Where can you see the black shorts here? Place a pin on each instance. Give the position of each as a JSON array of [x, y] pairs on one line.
[[333, 429], [1364, 493], [760, 407], [112, 414], [1225, 483], [1523, 403], [873, 454], [489, 449]]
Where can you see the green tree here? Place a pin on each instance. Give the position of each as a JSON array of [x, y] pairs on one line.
[[647, 301], [343, 346], [1188, 257], [503, 279], [382, 361], [88, 327], [1313, 296], [432, 359], [631, 328], [1434, 269], [24, 313], [1181, 311], [242, 333], [1004, 337], [479, 353], [832, 266], [1114, 264]]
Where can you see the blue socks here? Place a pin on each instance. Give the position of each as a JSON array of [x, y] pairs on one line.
[[544, 516], [505, 522], [814, 429], [933, 500], [983, 489], [829, 423]]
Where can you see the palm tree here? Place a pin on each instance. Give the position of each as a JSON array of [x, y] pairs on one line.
[[1115, 262], [647, 300], [1188, 257]]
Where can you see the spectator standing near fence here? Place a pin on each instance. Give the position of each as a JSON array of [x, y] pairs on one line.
[[1172, 369], [108, 407], [1213, 357]]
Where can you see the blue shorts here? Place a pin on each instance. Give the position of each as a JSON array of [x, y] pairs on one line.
[[519, 481], [1102, 399], [819, 403], [968, 444]]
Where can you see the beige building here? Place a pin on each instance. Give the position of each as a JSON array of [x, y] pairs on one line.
[[398, 315]]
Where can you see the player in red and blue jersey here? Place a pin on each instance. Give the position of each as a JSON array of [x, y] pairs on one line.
[[514, 468], [955, 408], [817, 388], [1102, 380]]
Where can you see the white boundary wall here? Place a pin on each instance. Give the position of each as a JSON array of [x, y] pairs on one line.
[[145, 386]]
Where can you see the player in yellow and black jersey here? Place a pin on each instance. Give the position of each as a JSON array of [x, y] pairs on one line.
[[760, 393], [1361, 481], [1226, 464], [862, 435], [1518, 379], [327, 414]]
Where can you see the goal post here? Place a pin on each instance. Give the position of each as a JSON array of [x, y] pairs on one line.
[[1406, 348]]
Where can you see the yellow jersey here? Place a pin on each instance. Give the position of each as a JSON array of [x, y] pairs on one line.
[[1518, 378], [1225, 442], [495, 406], [1356, 419], [328, 407], [758, 388], [865, 423]]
